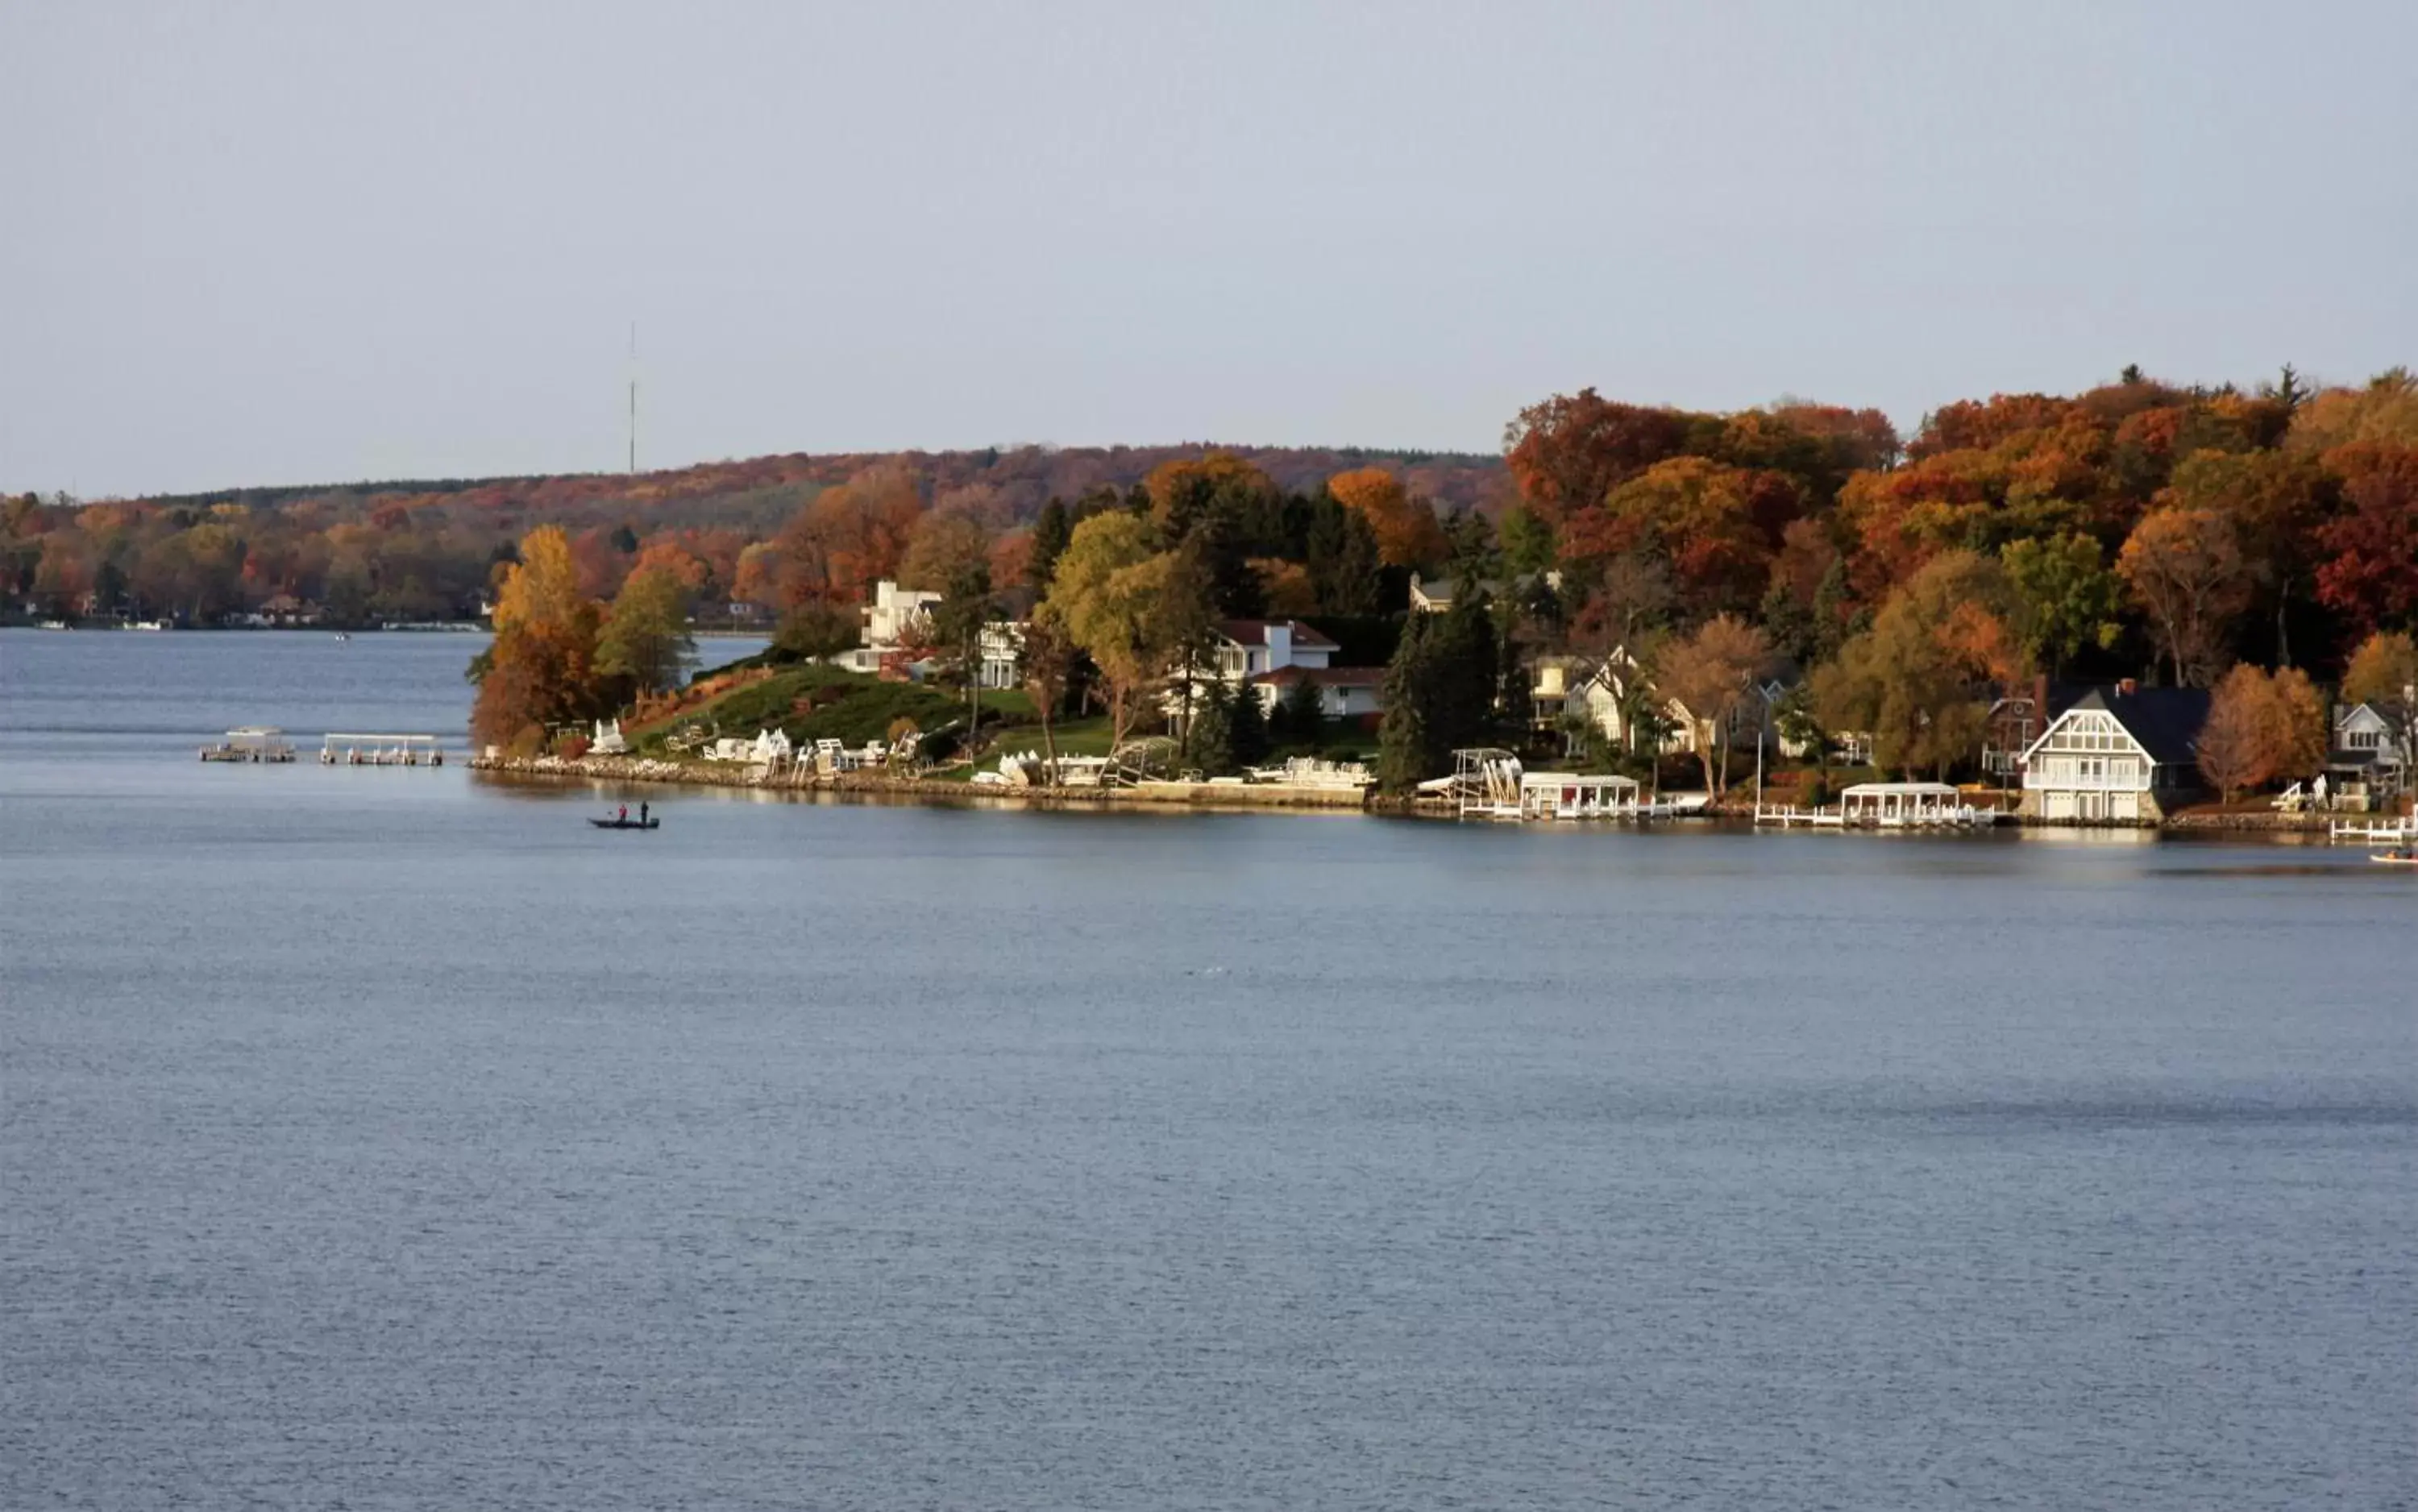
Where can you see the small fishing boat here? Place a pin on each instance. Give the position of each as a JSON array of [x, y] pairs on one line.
[[628, 824], [2404, 856]]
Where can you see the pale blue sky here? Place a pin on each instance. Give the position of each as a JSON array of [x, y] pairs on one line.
[[256, 243]]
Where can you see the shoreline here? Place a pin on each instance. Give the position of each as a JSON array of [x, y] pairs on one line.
[[655, 772], [1227, 797]]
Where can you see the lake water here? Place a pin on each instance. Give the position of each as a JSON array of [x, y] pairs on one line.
[[386, 1138]]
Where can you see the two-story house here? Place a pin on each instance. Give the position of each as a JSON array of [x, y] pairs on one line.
[[896, 617], [1247, 648], [2367, 749], [2123, 754]]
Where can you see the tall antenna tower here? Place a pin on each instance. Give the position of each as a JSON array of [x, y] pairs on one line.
[[633, 398]]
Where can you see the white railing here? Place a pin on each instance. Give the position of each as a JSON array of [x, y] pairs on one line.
[[2389, 832]]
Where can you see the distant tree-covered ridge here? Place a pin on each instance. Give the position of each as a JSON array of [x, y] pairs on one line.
[[430, 548]]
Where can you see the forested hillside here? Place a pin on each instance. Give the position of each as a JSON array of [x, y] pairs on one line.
[[2140, 528], [426, 548]]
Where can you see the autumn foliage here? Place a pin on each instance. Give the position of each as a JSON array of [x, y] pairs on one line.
[[2140, 528]]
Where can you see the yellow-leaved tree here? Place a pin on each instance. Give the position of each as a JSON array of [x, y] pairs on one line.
[[541, 668], [1110, 593]]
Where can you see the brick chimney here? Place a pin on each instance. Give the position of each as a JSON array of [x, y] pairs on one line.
[[2126, 687]]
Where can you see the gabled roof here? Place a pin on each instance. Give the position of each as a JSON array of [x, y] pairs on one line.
[[2047, 698], [1441, 588], [2164, 721], [1325, 677], [1255, 633]]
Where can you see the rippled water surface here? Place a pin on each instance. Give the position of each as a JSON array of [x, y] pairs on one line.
[[378, 1138]]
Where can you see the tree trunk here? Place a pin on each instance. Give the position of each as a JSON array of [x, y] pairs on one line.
[[974, 691]]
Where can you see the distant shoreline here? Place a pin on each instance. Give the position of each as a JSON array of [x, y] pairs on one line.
[[434, 627]]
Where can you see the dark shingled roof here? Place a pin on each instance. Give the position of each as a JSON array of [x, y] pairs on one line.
[[1255, 633], [2166, 720]]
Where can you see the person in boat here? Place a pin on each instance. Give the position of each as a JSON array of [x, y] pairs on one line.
[[642, 813], [623, 817]]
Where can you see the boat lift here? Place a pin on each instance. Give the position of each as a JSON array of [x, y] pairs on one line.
[[252, 742], [381, 751], [1886, 805]]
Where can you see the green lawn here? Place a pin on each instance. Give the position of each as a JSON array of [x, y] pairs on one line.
[[814, 702]]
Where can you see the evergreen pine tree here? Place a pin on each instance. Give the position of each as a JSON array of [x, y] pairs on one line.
[[1212, 745], [1461, 672], [1345, 568], [1051, 529], [1247, 739], [1302, 714], [1359, 571], [1407, 751]]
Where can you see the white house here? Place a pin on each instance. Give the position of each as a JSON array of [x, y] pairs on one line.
[[1434, 595], [1269, 656], [898, 614], [1344, 692], [1247, 648], [1561, 685], [2120, 754], [1001, 648], [2368, 748], [1431, 595]]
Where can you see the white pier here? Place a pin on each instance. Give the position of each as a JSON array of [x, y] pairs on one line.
[[2373, 832]]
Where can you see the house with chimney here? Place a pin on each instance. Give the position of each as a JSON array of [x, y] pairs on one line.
[[1245, 648], [2119, 755], [1269, 656]]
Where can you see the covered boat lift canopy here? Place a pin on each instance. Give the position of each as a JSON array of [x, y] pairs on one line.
[[1893, 804], [1571, 795]]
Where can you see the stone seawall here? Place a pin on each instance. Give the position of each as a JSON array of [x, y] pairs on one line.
[[2317, 824], [1201, 795], [651, 770]]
